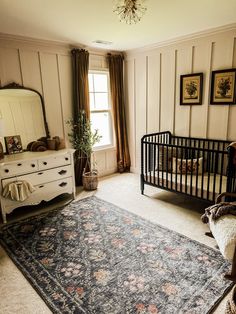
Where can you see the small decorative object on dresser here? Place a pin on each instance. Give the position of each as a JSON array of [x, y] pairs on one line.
[[49, 173], [13, 144]]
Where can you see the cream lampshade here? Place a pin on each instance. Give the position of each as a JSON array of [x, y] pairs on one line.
[[1, 136]]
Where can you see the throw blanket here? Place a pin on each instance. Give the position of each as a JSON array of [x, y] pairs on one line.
[[218, 210], [18, 190]]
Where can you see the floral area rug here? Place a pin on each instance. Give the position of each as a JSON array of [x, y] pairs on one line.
[[93, 257]]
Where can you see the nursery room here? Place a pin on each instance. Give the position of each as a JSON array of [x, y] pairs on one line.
[[117, 157]]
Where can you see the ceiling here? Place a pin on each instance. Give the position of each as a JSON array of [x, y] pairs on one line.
[[81, 22]]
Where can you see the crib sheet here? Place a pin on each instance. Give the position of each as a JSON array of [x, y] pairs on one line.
[[202, 185]]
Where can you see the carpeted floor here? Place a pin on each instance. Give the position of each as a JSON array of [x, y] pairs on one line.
[[93, 257]]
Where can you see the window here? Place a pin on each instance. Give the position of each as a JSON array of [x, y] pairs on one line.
[[100, 108]]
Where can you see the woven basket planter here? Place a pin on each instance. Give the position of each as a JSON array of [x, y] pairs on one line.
[[90, 181], [231, 303]]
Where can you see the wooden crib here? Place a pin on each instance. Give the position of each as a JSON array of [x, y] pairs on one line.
[[200, 168]]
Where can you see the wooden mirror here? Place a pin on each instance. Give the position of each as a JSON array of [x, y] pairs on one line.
[[22, 112]]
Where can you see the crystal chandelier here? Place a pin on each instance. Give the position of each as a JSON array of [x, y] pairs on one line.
[[130, 11]]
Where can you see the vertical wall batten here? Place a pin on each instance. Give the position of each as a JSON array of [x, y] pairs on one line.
[[160, 92], [135, 116], [174, 96], [60, 96], [46, 67], [147, 105], [201, 54]]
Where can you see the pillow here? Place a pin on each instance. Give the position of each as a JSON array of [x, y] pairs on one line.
[[187, 166], [163, 163]]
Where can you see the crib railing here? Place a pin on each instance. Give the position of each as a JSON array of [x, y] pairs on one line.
[[193, 166]]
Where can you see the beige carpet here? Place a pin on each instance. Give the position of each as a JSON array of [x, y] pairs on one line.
[[173, 211]]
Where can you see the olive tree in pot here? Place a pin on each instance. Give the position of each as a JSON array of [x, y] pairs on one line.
[[83, 139]]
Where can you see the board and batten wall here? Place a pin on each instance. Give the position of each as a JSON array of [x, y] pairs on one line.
[[153, 89], [46, 67]]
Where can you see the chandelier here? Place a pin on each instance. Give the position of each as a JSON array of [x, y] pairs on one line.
[[130, 11]]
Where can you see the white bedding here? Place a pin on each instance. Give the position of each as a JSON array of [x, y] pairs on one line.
[[185, 183]]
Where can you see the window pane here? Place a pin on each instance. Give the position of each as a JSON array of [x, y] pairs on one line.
[[102, 122], [90, 77], [100, 82], [91, 101], [101, 101]]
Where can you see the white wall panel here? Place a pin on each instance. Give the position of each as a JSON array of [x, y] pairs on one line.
[[182, 113], [153, 93], [140, 103], [65, 79], [222, 56], [10, 66], [200, 54], [51, 93], [130, 108], [201, 63], [47, 68], [232, 108], [167, 90], [30, 67]]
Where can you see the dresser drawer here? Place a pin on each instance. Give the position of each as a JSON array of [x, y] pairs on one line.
[[15, 168], [40, 177], [55, 161], [43, 192]]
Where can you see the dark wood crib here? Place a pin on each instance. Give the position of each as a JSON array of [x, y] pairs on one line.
[[200, 168]]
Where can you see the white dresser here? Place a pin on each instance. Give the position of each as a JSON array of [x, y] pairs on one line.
[[50, 172]]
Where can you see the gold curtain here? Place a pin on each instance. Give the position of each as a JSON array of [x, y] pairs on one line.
[[80, 68], [115, 64]]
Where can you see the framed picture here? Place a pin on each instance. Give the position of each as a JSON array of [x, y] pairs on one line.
[[191, 89], [223, 88], [13, 144]]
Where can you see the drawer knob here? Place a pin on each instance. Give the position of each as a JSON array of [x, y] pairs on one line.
[[40, 173], [45, 163], [33, 165], [63, 184], [41, 186], [19, 165], [6, 170], [62, 172], [66, 158]]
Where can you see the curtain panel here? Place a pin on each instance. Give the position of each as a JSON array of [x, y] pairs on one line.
[[80, 68], [115, 64]]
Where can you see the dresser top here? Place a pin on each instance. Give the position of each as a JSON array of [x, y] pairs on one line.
[[34, 155]]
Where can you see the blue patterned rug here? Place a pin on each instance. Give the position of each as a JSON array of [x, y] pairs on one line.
[[93, 257]]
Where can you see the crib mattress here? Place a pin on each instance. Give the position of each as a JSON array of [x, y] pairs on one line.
[[203, 186]]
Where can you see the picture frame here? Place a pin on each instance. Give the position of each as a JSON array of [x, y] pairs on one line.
[[13, 144], [191, 88], [223, 87]]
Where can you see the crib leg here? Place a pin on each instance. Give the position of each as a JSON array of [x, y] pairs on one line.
[[209, 234], [142, 183], [232, 276]]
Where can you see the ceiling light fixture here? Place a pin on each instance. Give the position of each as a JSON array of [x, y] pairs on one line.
[[130, 11]]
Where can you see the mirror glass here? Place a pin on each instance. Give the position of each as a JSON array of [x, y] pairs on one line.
[[22, 113]]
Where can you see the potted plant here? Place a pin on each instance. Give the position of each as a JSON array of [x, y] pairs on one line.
[[83, 139]]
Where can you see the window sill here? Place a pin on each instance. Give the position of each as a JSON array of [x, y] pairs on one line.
[[104, 148]]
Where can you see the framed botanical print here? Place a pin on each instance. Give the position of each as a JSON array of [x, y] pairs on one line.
[[191, 86], [13, 144], [223, 88]]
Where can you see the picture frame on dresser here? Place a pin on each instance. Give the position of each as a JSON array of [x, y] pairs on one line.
[[13, 144]]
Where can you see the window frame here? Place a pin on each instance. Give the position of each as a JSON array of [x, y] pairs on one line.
[[109, 110]]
